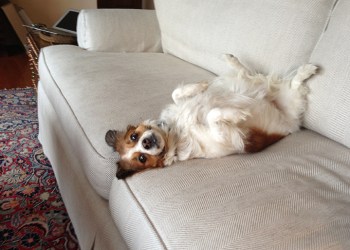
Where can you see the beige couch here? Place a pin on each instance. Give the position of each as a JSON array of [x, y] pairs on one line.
[[293, 195]]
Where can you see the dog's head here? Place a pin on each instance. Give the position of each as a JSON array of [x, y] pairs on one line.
[[140, 147]]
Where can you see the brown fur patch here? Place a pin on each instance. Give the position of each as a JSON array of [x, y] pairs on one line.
[[258, 140], [123, 140], [128, 168]]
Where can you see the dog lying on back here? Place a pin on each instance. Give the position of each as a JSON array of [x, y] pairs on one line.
[[241, 113]]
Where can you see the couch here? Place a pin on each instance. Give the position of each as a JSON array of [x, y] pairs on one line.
[[293, 195]]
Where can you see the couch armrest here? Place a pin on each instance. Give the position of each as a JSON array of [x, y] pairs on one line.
[[119, 30]]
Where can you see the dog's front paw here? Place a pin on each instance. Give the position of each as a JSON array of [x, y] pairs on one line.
[[170, 159], [189, 91]]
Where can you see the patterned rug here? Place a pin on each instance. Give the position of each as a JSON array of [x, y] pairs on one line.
[[32, 213]]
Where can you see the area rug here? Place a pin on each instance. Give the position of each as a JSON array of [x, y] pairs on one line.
[[32, 213]]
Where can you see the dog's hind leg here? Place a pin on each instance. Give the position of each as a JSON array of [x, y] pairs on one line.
[[304, 72], [188, 91], [291, 96], [237, 65]]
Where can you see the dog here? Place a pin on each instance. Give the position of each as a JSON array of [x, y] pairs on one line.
[[233, 114]]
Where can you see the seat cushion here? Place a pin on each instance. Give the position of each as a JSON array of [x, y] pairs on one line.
[[269, 36], [329, 102], [293, 195], [93, 92]]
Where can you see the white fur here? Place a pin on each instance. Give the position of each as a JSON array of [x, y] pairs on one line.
[[209, 120]]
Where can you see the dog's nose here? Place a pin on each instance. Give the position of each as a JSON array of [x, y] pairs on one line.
[[149, 142]]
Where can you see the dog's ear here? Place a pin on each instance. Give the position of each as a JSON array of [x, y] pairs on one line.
[[123, 171], [111, 137]]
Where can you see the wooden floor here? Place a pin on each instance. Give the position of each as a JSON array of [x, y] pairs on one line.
[[15, 71]]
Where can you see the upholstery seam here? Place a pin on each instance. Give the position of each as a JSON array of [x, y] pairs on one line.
[[70, 108], [328, 20], [145, 213]]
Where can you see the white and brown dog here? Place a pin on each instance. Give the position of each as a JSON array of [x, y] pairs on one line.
[[241, 113]]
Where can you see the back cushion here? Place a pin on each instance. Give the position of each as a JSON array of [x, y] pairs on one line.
[[267, 35], [329, 98]]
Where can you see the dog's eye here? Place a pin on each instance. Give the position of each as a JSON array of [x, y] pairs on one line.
[[133, 136], [142, 158]]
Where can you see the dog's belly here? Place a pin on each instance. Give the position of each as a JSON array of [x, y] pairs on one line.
[[197, 140], [198, 143]]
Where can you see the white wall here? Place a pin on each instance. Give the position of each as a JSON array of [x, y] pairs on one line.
[[49, 11]]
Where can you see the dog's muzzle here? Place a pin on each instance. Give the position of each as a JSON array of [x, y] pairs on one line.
[[150, 142]]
